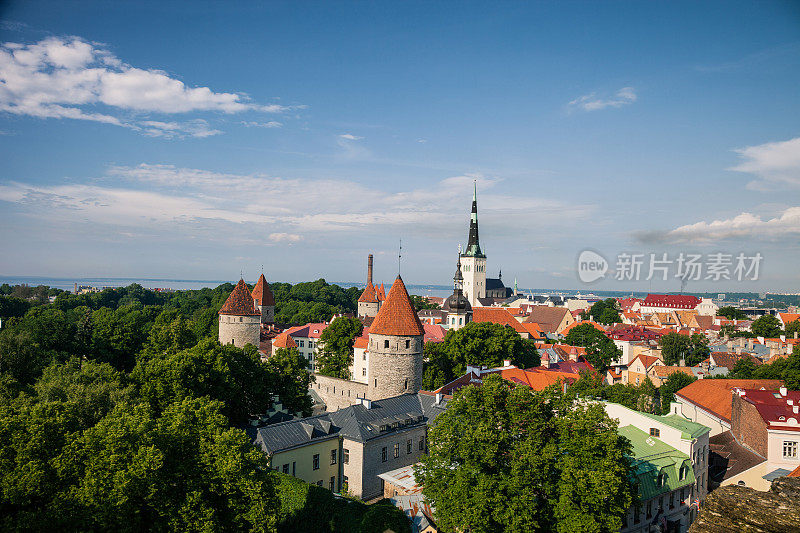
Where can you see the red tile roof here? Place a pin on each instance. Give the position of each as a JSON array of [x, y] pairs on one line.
[[397, 315], [497, 315], [714, 395], [261, 292], [647, 360], [776, 411], [284, 340], [538, 379], [795, 472], [434, 333], [240, 302], [312, 330], [369, 295], [361, 342], [674, 301]]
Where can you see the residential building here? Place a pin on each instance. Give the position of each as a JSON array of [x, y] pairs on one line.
[[670, 456], [350, 448], [708, 401], [665, 303], [550, 319], [640, 367]]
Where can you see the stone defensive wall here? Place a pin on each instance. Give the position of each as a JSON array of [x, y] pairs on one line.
[[338, 393]]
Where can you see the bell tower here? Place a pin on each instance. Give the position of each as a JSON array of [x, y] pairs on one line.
[[473, 261]]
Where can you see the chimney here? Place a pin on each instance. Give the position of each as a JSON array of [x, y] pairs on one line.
[[369, 269], [750, 344], [506, 362], [795, 409], [439, 397], [783, 391], [783, 338]]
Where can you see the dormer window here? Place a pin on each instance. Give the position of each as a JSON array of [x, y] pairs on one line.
[[660, 480], [655, 432]]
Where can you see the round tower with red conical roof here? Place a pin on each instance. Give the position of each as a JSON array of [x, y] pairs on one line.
[[369, 303], [264, 301], [239, 320], [395, 347]]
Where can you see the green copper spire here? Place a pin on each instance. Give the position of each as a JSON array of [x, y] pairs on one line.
[[473, 246]]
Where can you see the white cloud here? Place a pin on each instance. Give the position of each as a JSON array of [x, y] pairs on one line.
[[590, 102], [190, 201], [71, 78], [270, 124], [193, 128], [350, 137], [785, 225], [777, 164]]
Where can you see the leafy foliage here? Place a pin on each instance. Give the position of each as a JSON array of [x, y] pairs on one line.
[[335, 349], [766, 326], [477, 343], [606, 311], [675, 347], [600, 350], [509, 459], [731, 313]]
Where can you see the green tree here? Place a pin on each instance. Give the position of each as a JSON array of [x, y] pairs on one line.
[[234, 376], [182, 471], [421, 302], [606, 311], [674, 347], [477, 343], [731, 313], [384, 516], [335, 347], [600, 350], [290, 379], [792, 328], [766, 326], [508, 459], [674, 382]]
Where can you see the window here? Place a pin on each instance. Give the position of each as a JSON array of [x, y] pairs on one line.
[[386, 344], [637, 514], [294, 467], [365, 356], [683, 496], [383, 454], [376, 382], [655, 432], [316, 461], [649, 509], [332, 484], [422, 443], [789, 449], [682, 473], [346, 456], [286, 468], [333, 457], [301, 344], [409, 446], [406, 385], [396, 450], [660, 480], [364, 372], [672, 500], [408, 344], [240, 319], [661, 503]]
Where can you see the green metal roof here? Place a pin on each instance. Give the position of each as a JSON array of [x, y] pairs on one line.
[[652, 457], [689, 430]]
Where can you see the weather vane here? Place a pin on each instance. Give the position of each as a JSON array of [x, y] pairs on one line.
[[399, 255]]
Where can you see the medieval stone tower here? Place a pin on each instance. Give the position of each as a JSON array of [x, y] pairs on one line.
[[473, 261], [395, 347], [369, 303], [264, 301], [239, 320]]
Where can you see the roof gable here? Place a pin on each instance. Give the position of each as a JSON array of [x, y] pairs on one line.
[[240, 302], [397, 315]]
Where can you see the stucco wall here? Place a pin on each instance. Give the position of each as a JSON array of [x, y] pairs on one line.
[[338, 393], [699, 415], [239, 330], [373, 464], [302, 461]]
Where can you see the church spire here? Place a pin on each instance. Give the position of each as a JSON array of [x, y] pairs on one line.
[[473, 246]]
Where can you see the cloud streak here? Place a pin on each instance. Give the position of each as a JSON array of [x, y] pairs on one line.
[[777, 164], [785, 225], [591, 102], [75, 79]]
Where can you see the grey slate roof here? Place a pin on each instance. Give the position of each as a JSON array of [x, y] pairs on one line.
[[355, 422]]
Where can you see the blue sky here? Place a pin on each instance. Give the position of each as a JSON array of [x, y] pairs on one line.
[[196, 140]]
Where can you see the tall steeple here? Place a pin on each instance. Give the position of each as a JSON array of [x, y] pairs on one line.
[[473, 245]]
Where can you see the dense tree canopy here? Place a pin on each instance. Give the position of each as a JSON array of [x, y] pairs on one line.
[[335, 348], [477, 343], [606, 311], [731, 313], [118, 412], [766, 326], [674, 347], [787, 369], [509, 459], [600, 350]]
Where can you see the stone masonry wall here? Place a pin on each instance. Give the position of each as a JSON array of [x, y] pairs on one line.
[[338, 393], [368, 308], [747, 425], [396, 369], [248, 331]]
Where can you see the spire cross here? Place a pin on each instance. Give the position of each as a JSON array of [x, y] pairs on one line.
[[399, 255]]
